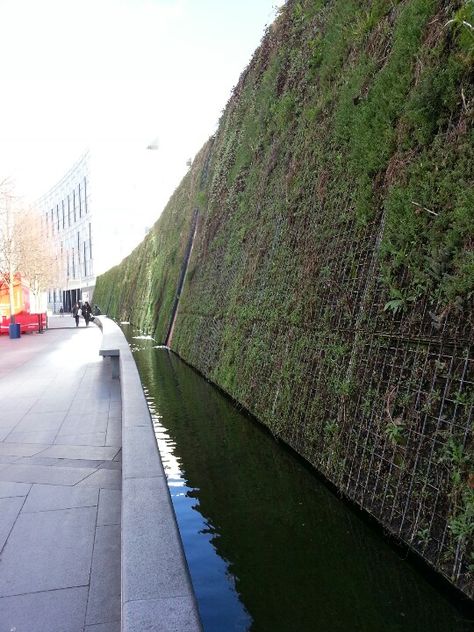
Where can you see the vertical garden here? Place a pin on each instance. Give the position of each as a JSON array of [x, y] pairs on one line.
[[331, 281]]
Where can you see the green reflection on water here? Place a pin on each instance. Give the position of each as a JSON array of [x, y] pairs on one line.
[[295, 557]]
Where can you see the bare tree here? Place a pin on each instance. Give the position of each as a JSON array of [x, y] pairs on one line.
[[39, 261], [25, 248]]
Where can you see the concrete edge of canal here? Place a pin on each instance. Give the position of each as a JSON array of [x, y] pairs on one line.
[[156, 590]]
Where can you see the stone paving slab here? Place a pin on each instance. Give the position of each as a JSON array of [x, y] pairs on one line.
[[105, 479], [52, 611], [21, 449], [51, 461], [4, 459], [52, 404], [81, 407], [77, 423], [12, 405], [35, 420], [110, 504], [82, 439], [12, 417], [80, 452], [104, 598], [4, 432], [104, 627], [51, 497], [9, 510], [10, 490], [115, 409], [32, 436], [9, 459], [48, 550], [114, 432], [111, 465], [44, 474]]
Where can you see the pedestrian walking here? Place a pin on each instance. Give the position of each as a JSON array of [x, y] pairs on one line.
[[61, 311], [76, 312], [86, 312]]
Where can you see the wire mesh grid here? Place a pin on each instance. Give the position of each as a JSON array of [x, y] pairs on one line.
[[294, 327]]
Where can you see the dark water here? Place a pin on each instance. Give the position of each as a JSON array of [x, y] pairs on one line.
[[269, 547]]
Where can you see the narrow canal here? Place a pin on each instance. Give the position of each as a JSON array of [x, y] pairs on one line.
[[269, 547]]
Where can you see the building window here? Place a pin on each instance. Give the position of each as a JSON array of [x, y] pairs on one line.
[[85, 194], [52, 222], [74, 204], [64, 217], [73, 265], [85, 260], [68, 210], [90, 241], [57, 216]]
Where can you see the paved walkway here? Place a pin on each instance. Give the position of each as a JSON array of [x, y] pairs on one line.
[[65, 322], [60, 479]]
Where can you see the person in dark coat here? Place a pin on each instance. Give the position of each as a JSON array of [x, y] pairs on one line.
[[76, 312], [86, 312]]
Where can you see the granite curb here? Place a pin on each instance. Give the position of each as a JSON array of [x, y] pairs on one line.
[[156, 587]]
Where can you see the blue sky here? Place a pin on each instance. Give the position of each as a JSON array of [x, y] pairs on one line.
[[115, 74]]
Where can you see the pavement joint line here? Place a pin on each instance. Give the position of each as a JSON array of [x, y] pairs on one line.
[[85, 477], [47, 590], [14, 523], [97, 626], [91, 560], [59, 509]]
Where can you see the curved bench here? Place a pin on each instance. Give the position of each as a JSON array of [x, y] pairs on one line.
[[157, 593]]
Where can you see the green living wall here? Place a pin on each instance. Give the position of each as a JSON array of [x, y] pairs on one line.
[[331, 282]]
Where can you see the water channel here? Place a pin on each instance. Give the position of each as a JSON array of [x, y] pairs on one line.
[[269, 547]]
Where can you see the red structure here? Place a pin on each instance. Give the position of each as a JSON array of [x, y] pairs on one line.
[[21, 308]]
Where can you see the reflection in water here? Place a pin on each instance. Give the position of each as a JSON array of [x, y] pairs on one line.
[[269, 547]]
